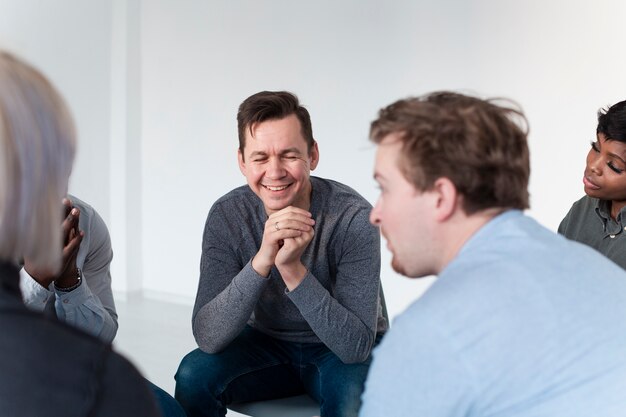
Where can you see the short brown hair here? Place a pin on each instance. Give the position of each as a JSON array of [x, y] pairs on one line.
[[479, 145], [272, 105]]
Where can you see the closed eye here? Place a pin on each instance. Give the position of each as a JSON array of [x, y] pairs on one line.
[[614, 168]]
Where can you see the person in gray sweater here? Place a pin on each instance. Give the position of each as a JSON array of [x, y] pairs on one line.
[[289, 294]]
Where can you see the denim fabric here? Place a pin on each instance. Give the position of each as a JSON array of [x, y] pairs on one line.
[[168, 406], [258, 367]]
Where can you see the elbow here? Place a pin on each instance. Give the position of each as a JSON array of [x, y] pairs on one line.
[[108, 329], [354, 357], [208, 346], [359, 354], [352, 360], [206, 342]]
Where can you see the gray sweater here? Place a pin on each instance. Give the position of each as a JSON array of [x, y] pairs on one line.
[[338, 301]]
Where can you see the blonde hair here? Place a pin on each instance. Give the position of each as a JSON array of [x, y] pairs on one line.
[[37, 146]]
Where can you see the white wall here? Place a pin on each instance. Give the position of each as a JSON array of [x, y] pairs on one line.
[[70, 40], [189, 63], [200, 60]]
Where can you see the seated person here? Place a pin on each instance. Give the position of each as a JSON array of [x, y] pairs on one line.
[[80, 294], [520, 321], [598, 219], [288, 299], [48, 368]]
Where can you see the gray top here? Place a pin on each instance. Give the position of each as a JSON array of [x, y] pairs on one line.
[[589, 221], [338, 301], [90, 307]]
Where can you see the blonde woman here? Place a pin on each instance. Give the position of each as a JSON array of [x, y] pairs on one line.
[[48, 368]]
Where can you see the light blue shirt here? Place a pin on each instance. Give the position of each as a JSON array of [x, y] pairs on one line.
[[89, 307], [521, 323]]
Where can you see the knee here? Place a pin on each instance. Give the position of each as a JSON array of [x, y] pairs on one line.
[[188, 370], [342, 404], [341, 392], [197, 374]]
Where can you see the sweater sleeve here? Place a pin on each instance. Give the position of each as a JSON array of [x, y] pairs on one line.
[[346, 320], [90, 307], [227, 290]]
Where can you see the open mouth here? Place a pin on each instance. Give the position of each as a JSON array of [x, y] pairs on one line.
[[276, 187]]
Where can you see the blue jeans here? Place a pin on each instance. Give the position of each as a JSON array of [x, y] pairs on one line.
[[168, 405], [257, 367]]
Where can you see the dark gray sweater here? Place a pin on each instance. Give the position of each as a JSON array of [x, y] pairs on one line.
[[338, 301]]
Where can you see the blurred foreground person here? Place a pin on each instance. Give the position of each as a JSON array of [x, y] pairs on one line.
[[48, 368]]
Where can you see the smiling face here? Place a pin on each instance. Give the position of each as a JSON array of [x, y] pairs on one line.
[[605, 173], [277, 165], [405, 215]]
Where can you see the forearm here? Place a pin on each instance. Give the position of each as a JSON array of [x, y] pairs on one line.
[[220, 319], [82, 309], [342, 330]]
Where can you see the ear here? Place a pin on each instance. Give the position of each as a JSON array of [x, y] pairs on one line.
[[447, 199], [242, 163], [314, 155]]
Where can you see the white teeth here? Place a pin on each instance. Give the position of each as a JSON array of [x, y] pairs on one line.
[[275, 188]]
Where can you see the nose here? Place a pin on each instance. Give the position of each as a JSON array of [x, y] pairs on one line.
[[594, 164], [275, 169], [375, 215]]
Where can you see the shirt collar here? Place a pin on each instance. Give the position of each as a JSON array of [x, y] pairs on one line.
[[603, 210]]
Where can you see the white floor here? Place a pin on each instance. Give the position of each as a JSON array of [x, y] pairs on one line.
[[155, 335]]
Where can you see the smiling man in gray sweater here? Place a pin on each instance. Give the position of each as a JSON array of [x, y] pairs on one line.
[[288, 299]]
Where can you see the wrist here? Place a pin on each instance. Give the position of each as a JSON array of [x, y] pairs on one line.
[[42, 279], [69, 281], [260, 267], [292, 274]]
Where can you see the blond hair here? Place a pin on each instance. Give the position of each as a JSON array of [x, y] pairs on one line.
[[37, 146]]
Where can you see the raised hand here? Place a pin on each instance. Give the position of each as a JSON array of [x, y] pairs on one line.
[[72, 237]]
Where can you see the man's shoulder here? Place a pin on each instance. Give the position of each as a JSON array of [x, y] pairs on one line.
[[337, 194], [236, 195], [240, 197], [86, 209], [90, 220], [239, 203]]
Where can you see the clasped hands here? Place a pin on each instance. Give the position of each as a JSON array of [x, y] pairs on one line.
[[286, 235]]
